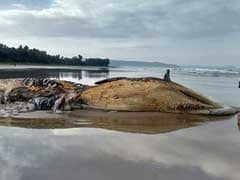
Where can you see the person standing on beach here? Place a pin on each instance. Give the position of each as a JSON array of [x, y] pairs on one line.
[[239, 84], [167, 76]]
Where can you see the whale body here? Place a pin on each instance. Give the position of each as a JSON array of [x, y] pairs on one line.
[[117, 94], [150, 95]]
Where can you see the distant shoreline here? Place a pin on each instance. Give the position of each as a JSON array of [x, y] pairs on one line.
[[26, 55]]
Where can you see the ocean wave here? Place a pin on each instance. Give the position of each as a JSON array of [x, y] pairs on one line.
[[210, 71]]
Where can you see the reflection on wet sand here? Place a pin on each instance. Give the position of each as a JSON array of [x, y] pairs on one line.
[[147, 123], [53, 73], [239, 121], [97, 73]]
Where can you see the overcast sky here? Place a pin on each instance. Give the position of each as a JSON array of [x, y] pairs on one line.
[[171, 31]]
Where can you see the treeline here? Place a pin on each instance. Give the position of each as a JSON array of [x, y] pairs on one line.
[[25, 55]]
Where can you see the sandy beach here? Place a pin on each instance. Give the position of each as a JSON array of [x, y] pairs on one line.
[[132, 145]]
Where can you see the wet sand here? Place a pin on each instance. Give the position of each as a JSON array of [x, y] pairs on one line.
[[51, 67], [142, 147]]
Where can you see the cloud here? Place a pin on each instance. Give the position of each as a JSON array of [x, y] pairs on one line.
[[122, 19], [178, 29], [24, 4]]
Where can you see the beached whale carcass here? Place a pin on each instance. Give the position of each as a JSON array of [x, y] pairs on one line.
[[37, 94], [150, 94], [119, 94]]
